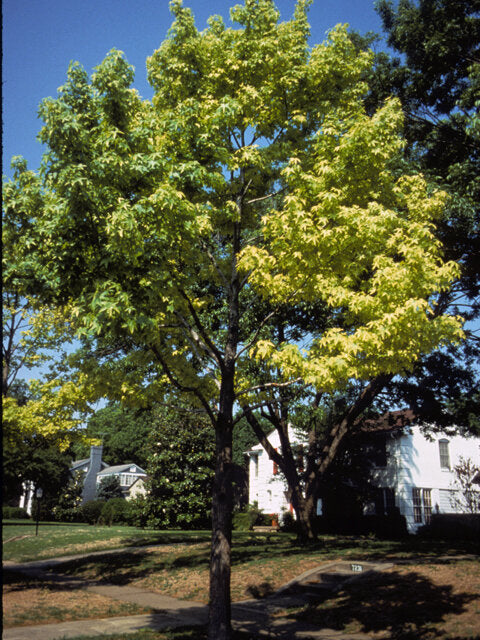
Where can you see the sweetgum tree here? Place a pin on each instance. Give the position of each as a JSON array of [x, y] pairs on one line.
[[176, 231]]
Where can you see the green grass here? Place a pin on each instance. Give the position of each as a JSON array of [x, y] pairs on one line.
[[409, 600], [20, 544], [58, 540]]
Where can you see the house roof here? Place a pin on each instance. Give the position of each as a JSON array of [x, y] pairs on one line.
[[80, 463], [121, 468], [389, 421]]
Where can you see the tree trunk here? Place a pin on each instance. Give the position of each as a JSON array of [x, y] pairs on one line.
[[220, 559], [304, 510], [219, 627]]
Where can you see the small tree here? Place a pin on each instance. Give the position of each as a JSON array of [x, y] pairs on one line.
[[180, 471], [109, 488], [69, 502], [466, 486]]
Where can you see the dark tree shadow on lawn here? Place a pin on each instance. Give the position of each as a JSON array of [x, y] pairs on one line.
[[407, 606], [124, 567]]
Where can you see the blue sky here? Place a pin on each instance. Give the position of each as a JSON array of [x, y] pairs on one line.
[[41, 37]]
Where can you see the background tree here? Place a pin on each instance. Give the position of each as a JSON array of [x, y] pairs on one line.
[[34, 340], [109, 488], [437, 77], [123, 432], [142, 211], [67, 508], [180, 471], [40, 461]]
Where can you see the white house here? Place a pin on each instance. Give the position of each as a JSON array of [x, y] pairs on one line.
[[128, 474], [267, 486], [414, 473]]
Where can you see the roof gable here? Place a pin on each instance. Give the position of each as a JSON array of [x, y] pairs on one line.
[[122, 468]]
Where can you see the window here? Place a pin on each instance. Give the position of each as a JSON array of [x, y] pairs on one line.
[[255, 464], [444, 454], [126, 479], [427, 505], [422, 505], [417, 504]]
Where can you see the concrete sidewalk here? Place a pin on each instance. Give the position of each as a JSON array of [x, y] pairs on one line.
[[255, 617]]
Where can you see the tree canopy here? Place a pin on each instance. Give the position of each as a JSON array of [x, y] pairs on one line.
[[434, 70]]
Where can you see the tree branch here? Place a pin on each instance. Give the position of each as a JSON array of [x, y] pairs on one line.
[[209, 345], [181, 387]]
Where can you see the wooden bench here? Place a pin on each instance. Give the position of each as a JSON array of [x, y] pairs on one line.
[[266, 529]]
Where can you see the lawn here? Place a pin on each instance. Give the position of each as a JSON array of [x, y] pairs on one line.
[[20, 544], [431, 592]]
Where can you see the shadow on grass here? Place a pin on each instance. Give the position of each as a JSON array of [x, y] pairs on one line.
[[127, 565], [406, 606]]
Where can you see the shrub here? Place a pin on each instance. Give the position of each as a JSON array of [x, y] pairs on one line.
[[115, 511], [14, 513], [137, 513], [91, 511], [288, 522], [250, 516], [452, 526], [67, 514]]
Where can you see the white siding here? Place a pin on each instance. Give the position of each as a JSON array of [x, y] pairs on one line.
[[413, 462], [266, 488]]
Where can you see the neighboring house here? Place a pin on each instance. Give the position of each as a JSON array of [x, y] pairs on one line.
[[90, 467], [95, 469], [413, 473], [131, 478], [128, 474], [137, 489]]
